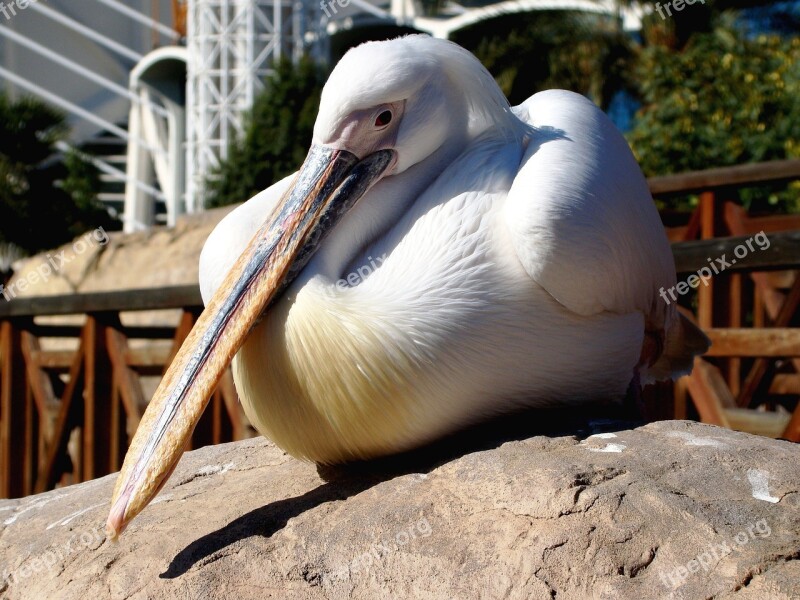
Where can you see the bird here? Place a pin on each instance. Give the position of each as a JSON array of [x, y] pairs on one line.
[[440, 258]]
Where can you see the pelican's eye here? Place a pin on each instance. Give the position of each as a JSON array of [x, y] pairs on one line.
[[383, 119]]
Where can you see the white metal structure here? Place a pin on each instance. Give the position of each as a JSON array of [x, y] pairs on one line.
[[78, 57], [454, 16], [232, 45], [158, 117], [458, 17], [93, 60]]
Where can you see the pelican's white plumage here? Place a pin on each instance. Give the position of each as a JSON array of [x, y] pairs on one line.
[[510, 258]]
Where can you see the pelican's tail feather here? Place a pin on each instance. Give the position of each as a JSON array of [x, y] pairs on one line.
[[684, 341]]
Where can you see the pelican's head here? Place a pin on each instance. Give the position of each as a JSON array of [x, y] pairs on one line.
[[386, 107], [410, 95]]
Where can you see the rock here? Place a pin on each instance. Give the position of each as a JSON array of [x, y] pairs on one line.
[[98, 261], [669, 510], [102, 262]]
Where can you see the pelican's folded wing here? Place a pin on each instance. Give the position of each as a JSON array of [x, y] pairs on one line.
[[581, 216]]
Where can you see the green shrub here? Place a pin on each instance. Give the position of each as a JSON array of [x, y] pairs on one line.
[[45, 200], [277, 135]]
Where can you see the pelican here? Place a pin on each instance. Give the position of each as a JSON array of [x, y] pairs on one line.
[[439, 258]]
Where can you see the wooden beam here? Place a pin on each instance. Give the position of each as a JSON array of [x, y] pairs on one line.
[[144, 357], [735, 321], [41, 384], [771, 342], [775, 302], [58, 360], [125, 378], [709, 393], [760, 367], [739, 222], [119, 438], [705, 293], [783, 253], [188, 319], [69, 417], [33, 445], [131, 332], [722, 177], [126, 300], [693, 227], [792, 431], [785, 384]]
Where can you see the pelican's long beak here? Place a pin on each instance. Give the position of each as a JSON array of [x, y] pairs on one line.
[[328, 184]]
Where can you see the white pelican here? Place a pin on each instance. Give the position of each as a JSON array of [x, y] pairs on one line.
[[439, 258]]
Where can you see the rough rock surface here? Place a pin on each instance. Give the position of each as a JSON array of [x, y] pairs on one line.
[[104, 262], [99, 261], [668, 510]]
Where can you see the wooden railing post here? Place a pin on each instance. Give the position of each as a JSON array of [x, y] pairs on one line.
[[97, 425], [12, 412], [705, 294], [70, 414]]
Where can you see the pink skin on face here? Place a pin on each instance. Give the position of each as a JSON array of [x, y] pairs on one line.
[[365, 131]]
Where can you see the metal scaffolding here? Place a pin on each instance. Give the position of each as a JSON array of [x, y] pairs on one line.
[[230, 49], [232, 44]]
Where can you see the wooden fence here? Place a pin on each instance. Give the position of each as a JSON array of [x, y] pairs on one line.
[[756, 368], [97, 406], [67, 415]]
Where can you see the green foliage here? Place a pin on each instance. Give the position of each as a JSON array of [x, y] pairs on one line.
[[277, 135], [431, 8], [724, 99], [82, 181], [710, 95], [36, 212], [529, 52]]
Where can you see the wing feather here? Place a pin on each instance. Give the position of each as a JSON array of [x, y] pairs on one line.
[[581, 216]]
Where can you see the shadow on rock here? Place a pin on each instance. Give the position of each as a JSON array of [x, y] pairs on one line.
[[347, 480]]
